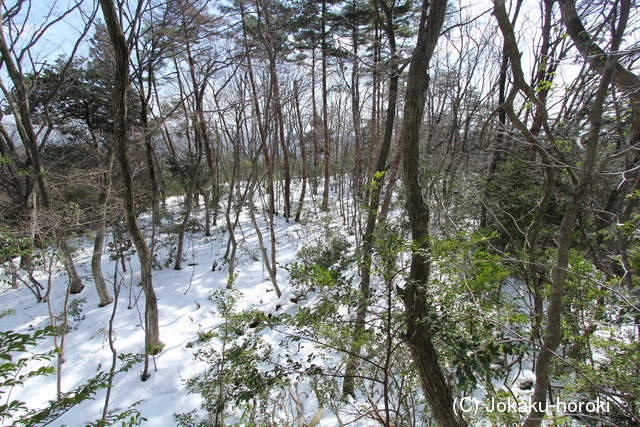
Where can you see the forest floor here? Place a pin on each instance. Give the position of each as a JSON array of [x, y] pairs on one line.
[[184, 311]]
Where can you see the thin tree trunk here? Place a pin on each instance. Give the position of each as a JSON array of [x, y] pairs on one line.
[[394, 174], [265, 258], [153, 345], [148, 145], [581, 191], [29, 138], [373, 138], [372, 208], [96, 258], [191, 191], [625, 80], [314, 107], [355, 116], [496, 156], [267, 160], [303, 151], [419, 335], [325, 110], [277, 104], [75, 283]]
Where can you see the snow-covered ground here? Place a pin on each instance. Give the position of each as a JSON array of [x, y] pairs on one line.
[[184, 311]]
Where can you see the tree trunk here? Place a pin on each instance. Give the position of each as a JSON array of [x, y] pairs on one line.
[[153, 345], [191, 192], [393, 173], [29, 138], [75, 283], [355, 117], [264, 143], [372, 208], [625, 80], [303, 151], [325, 110], [419, 336], [606, 65], [96, 258], [277, 104], [314, 107], [263, 250]]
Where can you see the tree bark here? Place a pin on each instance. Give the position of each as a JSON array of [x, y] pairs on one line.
[[303, 152], [355, 117], [372, 208], [264, 144], [96, 258], [29, 138], [325, 110], [579, 194], [277, 104], [419, 336], [625, 80], [153, 345]]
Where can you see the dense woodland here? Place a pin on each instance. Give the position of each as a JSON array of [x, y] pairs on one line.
[[481, 161]]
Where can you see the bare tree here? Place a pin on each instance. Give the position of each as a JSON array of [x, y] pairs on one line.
[[581, 173], [153, 345], [15, 53], [374, 197], [419, 336]]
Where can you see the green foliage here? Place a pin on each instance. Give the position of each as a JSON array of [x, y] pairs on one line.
[[183, 170], [12, 246], [8, 312], [321, 269], [15, 370], [86, 97], [235, 380], [205, 336], [331, 251], [74, 313], [512, 197], [469, 309], [130, 417], [122, 245], [307, 278], [320, 334], [614, 371], [87, 391], [13, 344]]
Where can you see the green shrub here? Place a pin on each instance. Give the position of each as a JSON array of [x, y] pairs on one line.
[[15, 370]]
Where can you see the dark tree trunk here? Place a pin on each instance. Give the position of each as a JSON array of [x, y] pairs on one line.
[[625, 80], [153, 345], [277, 104], [325, 111], [419, 336], [355, 116], [29, 138], [372, 208], [303, 151]]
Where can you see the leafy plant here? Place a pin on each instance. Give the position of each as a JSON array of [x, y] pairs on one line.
[[235, 380], [17, 359], [13, 344], [87, 391]]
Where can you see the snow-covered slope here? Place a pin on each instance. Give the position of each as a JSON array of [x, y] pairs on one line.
[[183, 307]]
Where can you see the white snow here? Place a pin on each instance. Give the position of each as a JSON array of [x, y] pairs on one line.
[[181, 317]]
